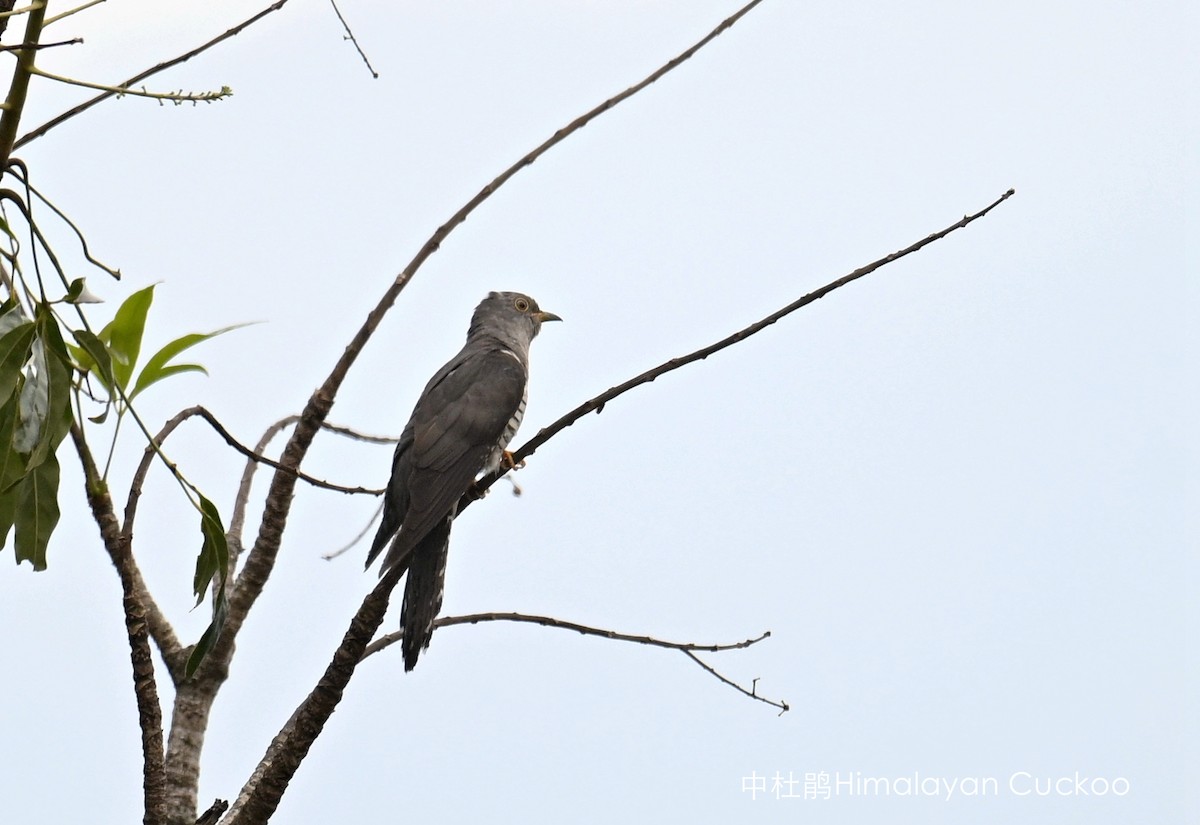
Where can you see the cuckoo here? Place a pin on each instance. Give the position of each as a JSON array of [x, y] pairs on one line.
[[463, 420]]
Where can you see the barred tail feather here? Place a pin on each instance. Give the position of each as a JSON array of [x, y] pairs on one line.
[[423, 591]]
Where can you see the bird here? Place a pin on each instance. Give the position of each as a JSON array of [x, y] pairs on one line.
[[461, 424]]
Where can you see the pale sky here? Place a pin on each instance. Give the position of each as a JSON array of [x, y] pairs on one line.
[[960, 493]]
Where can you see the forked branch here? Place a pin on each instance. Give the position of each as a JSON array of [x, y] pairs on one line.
[[688, 648], [144, 685]]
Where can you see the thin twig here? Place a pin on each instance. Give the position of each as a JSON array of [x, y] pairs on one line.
[[270, 462], [586, 630], [10, 12], [120, 91], [138, 78], [752, 693], [688, 648], [70, 12], [597, 404], [21, 173], [355, 435], [19, 46], [238, 519], [362, 534], [253, 455], [350, 36]]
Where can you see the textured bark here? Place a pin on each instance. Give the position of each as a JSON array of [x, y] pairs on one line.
[[189, 722], [260, 796], [144, 685]]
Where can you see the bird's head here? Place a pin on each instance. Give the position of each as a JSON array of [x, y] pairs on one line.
[[509, 316]]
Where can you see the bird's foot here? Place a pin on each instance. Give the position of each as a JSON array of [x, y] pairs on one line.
[[476, 492], [508, 462]]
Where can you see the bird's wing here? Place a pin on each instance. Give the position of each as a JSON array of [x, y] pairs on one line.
[[456, 426], [395, 499]]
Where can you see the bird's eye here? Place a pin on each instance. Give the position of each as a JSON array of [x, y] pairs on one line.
[[521, 304]]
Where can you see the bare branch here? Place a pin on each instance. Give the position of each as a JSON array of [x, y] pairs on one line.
[[586, 630], [18, 89], [260, 795], [138, 78], [238, 520], [254, 456], [597, 404], [355, 435], [262, 459], [76, 10], [350, 36], [120, 91], [239, 508], [19, 46], [11, 12], [688, 648], [362, 534], [145, 687], [752, 693]]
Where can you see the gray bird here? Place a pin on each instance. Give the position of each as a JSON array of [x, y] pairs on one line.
[[462, 422]]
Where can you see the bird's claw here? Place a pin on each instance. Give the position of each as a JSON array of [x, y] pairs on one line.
[[508, 462]]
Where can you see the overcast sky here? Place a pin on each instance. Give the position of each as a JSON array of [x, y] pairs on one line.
[[960, 493]]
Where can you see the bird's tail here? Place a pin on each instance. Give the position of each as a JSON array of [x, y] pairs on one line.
[[423, 591]]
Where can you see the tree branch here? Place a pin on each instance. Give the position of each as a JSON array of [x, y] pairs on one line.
[[243, 496], [16, 47], [144, 685], [14, 104], [258, 457], [261, 794], [350, 36], [688, 648], [752, 693], [597, 404], [389, 639], [138, 78]]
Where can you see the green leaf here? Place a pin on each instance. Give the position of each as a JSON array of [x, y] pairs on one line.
[[208, 639], [51, 382], [156, 368], [14, 353], [211, 565], [96, 352], [12, 463], [213, 560], [8, 513], [37, 512], [124, 333], [11, 315], [12, 469], [33, 402]]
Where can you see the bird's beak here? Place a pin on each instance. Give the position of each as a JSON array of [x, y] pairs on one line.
[[543, 317]]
